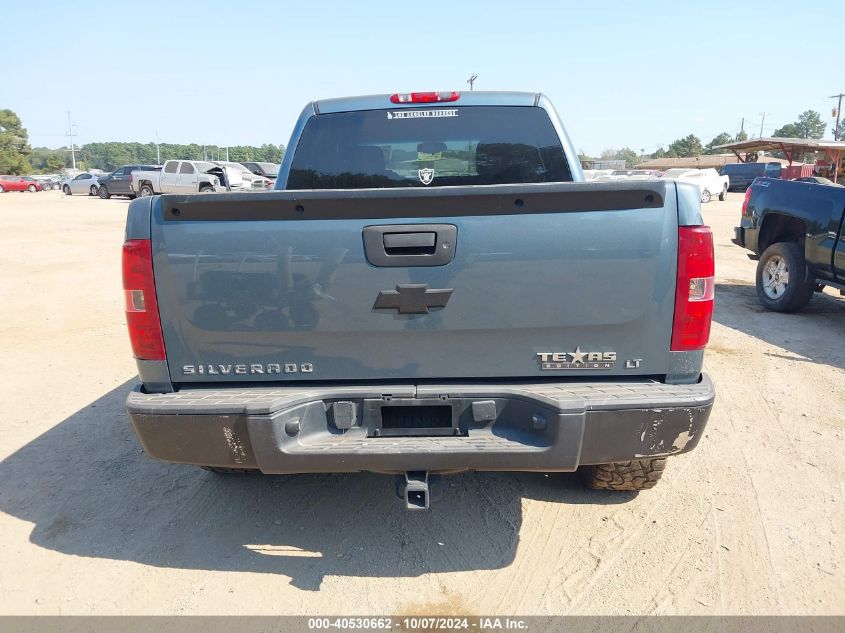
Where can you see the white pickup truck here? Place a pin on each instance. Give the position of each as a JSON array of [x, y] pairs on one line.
[[709, 182], [180, 176]]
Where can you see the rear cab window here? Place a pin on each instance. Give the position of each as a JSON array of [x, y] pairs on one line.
[[419, 147]]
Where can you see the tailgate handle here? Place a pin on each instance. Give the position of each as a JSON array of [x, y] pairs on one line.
[[403, 245], [409, 243]]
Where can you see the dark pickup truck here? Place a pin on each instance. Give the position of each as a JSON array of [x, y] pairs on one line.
[[431, 288], [795, 230]]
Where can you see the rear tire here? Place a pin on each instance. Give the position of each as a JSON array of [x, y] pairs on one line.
[[231, 471], [93, 191], [103, 192], [146, 191], [783, 284], [66, 190], [31, 189], [2, 190], [638, 474], [724, 195]]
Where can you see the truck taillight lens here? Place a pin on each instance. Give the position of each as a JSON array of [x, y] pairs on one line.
[[745, 202], [141, 305], [695, 289], [424, 97]]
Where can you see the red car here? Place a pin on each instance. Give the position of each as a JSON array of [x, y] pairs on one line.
[[18, 183]]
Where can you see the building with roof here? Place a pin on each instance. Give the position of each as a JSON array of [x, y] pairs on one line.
[[705, 161], [792, 148]]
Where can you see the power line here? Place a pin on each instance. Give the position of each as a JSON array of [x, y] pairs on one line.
[[471, 81]]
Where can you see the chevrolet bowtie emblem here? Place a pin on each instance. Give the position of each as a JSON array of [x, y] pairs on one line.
[[412, 299]]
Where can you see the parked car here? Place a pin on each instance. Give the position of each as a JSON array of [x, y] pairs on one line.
[[708, 181], [819, 180], [179, 176], [81, 184], [44, 181], [241, 177], [267, 170], [51, 182], [634, 174], [18, 183], [796, 231], [33, 182], [424, 323], [118, 183], [741, 175], [597, 174]]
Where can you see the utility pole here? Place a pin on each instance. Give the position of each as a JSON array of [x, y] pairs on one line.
[[158, 151], [71, 134], [763, 114], [838, 112], [742, 127], [471, 81], [227, 153]]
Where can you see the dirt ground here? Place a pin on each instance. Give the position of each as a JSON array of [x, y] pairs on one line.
[[751, 522]]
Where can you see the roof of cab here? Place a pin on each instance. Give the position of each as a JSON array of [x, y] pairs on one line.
[[382, 102]]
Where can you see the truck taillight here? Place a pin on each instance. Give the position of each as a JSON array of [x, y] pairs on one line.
[[424, 97], [695, 288], [745, 202], [141, 305]]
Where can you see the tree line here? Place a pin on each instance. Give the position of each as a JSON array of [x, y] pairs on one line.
[[808, 125], [110, 156], [17, 157]]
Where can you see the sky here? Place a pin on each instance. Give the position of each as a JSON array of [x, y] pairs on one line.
[[636, 74]]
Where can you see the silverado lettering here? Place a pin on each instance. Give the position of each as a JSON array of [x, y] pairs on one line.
[[270, 368]]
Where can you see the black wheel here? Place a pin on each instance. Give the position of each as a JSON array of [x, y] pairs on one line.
[[146, 191], [66, 190], [783, 281], [32, 189], [206, 189], [93, 191], [231, 471], [103, 192], [724, 195], [638, 474]]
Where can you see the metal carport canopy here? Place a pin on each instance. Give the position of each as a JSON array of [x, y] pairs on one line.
[[790, 148]]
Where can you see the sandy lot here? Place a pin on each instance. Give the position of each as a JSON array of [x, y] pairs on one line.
[[751, 522]]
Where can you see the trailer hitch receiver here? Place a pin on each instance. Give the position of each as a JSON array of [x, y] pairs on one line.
[[414, 489]]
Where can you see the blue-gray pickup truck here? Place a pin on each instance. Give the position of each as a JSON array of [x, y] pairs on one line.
[[431, 288]]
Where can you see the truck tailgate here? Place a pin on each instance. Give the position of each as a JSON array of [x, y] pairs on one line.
[[510, 281]]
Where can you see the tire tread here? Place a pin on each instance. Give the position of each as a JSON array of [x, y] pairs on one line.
[[638, 474]]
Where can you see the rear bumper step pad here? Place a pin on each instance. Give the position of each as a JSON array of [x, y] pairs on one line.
[[515, 426]]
